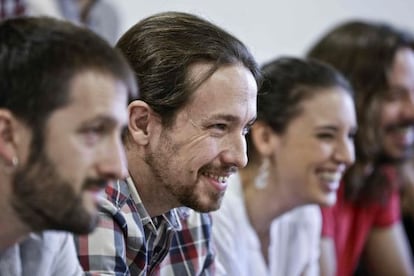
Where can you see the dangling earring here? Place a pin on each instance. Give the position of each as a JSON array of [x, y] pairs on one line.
[[260, 181], [15, 161], [10, 165]]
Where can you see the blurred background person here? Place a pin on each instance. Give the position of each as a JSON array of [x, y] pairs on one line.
[[101, 16], [378, 60]]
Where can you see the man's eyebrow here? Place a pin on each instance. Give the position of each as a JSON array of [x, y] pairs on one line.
[[109, 121], [225, 117], [229, 118]]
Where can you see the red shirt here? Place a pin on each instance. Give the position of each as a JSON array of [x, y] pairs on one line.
[[349, 224]]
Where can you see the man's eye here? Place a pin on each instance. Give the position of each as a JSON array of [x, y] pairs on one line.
[[95, 129], [221, 127], [93, 133], [325, 136]]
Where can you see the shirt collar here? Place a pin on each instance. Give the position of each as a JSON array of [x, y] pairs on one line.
[[172, 217]]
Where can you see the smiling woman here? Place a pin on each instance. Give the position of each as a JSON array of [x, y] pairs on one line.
[[298, 149]]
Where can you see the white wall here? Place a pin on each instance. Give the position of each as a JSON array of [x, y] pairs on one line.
[[272, 28]]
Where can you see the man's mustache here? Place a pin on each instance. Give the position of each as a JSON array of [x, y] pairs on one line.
[[91, 183], [399, 125]]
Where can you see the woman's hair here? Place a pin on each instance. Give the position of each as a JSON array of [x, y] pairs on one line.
[[287, 82]]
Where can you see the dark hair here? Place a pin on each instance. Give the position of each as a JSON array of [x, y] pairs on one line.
[[161, 49], [287, 82], [39, 57], [364, 52]]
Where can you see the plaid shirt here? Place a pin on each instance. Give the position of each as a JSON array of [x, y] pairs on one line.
[[128, 241]]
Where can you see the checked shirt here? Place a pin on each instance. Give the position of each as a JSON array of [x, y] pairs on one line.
[[128, 241]]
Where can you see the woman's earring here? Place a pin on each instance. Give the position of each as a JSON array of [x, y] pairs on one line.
[[261, 179], [15, 161]]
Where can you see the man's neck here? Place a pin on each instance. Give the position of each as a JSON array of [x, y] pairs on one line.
[[156, 200], [12, 230]]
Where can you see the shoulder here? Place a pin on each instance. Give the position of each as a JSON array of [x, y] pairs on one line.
[[55, 241], [58, 253]]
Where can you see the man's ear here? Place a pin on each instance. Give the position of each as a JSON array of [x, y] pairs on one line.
[[264, 139], [141, 121], [8, 149]]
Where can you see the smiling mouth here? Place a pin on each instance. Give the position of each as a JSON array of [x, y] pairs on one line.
[[402, 127], [218, 178], [219, 182], [331, 176]]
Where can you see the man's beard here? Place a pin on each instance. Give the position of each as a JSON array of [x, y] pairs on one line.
[[407, 153], [179, 194], [44, 200]]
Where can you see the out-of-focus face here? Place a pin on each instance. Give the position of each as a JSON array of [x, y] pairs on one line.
[[397, 111], [192, 160], [317, 146], [58, 188]]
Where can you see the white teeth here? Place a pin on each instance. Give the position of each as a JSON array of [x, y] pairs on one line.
[[221, 179], [408, 132], [331, 176]]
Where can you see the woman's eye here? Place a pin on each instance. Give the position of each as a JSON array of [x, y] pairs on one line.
[[352, 135]]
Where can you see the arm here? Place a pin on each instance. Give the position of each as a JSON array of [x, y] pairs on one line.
[[327, 261], [387, 252]]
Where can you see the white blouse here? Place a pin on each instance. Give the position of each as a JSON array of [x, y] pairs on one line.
[[294, 239]]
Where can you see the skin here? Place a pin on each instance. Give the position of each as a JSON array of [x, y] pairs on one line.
[[182, 164], [397, 112], [395, 258], [317, 142], [82, 151]]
